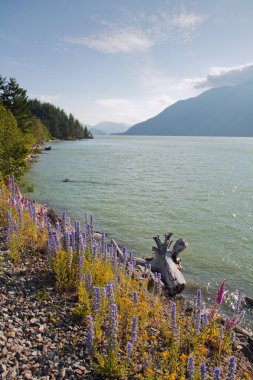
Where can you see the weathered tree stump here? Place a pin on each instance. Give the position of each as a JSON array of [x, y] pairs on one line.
[[164, 262], [168, 264]]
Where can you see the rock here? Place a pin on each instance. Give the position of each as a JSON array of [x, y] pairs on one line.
[[3, 368], [249, 301], [11, 334]]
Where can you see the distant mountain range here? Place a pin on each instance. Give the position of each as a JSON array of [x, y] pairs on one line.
[[108, 127], [223, 111]]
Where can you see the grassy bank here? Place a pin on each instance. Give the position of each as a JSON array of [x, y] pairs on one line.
[[128, 331]]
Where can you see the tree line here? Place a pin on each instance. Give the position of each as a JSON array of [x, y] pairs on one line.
[[59, 125], [25, 123]]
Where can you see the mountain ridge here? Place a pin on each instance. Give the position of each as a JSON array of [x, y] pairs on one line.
[[220, 111]]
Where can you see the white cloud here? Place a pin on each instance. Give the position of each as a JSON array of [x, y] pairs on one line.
[[123, 40], [145, 33], [222, 76], [186, 20], [131, 111]]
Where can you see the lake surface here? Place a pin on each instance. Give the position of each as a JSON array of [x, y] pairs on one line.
[[200, 188]]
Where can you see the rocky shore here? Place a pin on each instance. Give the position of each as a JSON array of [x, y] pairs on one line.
[[41, 336]]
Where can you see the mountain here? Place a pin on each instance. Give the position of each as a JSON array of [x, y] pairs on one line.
[[97, 132], [223, 111], [111, 127]]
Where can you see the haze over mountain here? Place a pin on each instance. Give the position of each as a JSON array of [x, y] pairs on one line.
[[222, 111], [108, 127], [97, 132]]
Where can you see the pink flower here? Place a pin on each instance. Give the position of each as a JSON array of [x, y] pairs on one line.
[[213, 314], [220, 293]]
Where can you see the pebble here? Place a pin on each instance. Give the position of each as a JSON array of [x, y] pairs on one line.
[[37, 338]]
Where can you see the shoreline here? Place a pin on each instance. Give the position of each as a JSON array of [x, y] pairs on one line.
[[31, 284], [189, 299]]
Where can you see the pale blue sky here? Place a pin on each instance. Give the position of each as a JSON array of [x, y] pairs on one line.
[[124, 60]]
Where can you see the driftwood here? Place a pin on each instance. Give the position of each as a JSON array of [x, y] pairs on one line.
[[168, 264], [165, 262]]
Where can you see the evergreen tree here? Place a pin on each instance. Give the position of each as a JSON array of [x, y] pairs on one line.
[[14, 98], [13, 146], [60, 125]]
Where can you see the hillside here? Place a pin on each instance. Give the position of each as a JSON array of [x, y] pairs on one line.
[[59, 124], [223, 111]]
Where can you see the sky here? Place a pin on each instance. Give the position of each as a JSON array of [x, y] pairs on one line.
[[124, 60]]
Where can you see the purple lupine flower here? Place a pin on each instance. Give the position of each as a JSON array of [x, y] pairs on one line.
[[135, 297], [152, 353], [205, 319], [66, 240], [94, 250], [90, 336], [173, 317], [110, 293], [202, 371], [51, 243], [118, 278], [130, 267], [198, 319], [221, 336], [84, 239], [220, 293], [231, 368], [57, 226], [199, 298], [134, 336], [114, 254], [130, 348], [233, 337], [77, 236], [20, 216], [88, 234], [216, 374], [97, 299], [230, 322], [190, 367], [112, 327], [33, 213], [241, 316]]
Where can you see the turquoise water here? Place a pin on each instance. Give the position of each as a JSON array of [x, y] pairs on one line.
[[200, 188]]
